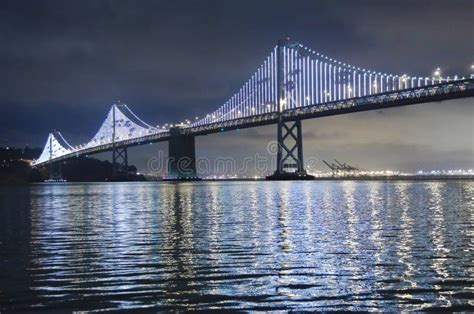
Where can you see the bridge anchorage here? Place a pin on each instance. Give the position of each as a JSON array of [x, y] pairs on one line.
[[293, 83], [181, 156]]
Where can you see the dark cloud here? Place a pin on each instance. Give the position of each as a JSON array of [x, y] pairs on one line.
[[63, 63]]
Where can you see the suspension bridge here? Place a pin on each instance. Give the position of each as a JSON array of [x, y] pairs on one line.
[[292, 84]]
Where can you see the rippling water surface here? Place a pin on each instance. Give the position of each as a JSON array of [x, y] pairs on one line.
[[238, 245]]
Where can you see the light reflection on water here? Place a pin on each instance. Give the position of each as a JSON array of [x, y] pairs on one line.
[[238, 245]]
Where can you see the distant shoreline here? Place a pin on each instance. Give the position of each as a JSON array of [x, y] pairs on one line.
[[365, 178], [361, 178], [400, 178]]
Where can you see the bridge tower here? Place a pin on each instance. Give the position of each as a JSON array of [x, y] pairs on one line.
[[55, 173], [182, 156], [120, 169], [290, 164]]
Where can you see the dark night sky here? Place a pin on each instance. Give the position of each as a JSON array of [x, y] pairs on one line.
[[63, 63]]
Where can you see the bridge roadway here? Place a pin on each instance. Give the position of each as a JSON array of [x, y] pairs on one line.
[[432, 93]]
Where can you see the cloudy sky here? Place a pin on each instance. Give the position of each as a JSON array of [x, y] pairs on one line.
[[63, 63]]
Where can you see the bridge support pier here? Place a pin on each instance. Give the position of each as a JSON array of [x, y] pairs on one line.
[[182, 156], [55, 172], [290, 163], [120, 164]]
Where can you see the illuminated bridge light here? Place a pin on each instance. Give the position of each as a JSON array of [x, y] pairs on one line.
[[308, 82]]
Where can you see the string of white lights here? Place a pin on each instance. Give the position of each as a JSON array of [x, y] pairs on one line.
[[309, 78]]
